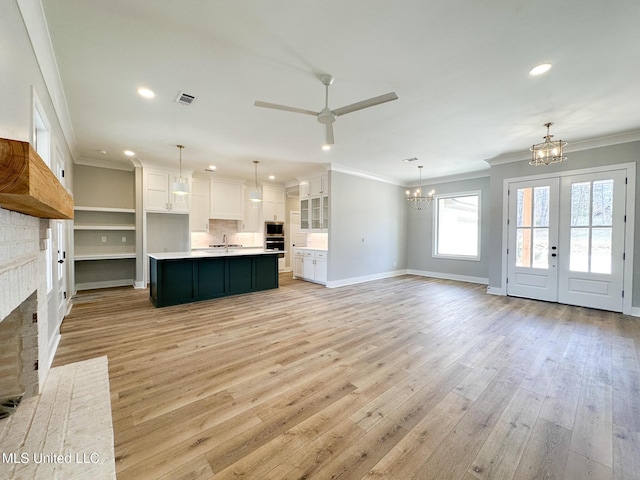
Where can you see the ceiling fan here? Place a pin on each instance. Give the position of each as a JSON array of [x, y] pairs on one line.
[[327, 116]]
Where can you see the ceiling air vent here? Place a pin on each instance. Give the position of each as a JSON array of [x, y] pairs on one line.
[[412, 159], [185, 99]]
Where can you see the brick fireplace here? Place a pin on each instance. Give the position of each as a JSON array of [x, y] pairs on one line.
[[24, 340]]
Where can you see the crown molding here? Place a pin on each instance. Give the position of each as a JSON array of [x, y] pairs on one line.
[[588, 144], [336, 167]]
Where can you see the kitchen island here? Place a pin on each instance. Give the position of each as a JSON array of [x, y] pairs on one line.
[[183, 277]]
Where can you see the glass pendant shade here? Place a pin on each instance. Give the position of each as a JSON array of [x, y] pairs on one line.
[[181, 187], [255, 195], [549, 151]]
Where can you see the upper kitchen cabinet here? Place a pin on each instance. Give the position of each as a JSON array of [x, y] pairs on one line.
[[227, 202], [200, 204], [314, 204], [157, 194], [273, 199]]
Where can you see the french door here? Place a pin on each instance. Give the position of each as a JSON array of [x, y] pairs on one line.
[[566, 239]]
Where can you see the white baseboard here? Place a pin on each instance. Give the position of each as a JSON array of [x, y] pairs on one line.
[[139, 285], [365, 278], [635, 312], [449, 276], [106, 284], [496, 291]]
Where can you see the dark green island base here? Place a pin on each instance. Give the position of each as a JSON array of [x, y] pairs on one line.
[[175, 281]]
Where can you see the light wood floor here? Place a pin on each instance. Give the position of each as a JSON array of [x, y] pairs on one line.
[[402, 378]]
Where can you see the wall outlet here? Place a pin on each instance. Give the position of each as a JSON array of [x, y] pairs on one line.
[[124, 239], [104, 239]]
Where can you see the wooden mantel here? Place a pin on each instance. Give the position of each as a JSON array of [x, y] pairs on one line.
[[28, 186]]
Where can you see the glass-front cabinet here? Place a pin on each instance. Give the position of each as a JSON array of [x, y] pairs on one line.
[[304, 214], [314, 204]]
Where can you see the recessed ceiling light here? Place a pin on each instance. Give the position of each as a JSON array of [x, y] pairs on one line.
[[272, 177], [326, 147], [104, 152], [211, 168], [129, 153], [540, 69], [146, 93]]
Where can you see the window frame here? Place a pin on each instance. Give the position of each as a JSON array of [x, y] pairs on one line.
[[436, 226]]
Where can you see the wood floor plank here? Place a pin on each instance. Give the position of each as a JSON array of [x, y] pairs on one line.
[[545, 454], [401, 378]]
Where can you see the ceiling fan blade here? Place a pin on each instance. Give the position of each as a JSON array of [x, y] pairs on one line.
[[329, 133], [387, 97], [275, 106]]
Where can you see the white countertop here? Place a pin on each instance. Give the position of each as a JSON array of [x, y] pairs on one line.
[[212, 253], [311, 248]]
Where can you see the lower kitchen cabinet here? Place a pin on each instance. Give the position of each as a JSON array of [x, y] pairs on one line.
[[310, 265], [183, 280]]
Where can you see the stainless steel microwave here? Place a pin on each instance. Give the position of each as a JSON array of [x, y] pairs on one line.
[[272, 229]]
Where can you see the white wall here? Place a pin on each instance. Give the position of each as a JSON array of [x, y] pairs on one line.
[[367, 229], [22, 262]]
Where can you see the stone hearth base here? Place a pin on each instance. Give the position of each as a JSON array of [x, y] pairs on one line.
[[66, 432]]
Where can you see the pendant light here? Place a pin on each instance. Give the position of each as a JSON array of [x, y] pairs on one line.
[[547, 152], [417, 200], [181, 187], [255, 195]]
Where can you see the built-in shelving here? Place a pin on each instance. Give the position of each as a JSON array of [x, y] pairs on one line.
[[104, 238]]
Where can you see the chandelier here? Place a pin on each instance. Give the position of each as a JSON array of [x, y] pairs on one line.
[[255, 195], [417, 200], [181, 187], [547, 152]]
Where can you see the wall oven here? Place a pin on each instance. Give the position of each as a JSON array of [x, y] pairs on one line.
[[274, 236]]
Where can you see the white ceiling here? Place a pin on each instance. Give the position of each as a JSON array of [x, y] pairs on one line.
[[460, 70]]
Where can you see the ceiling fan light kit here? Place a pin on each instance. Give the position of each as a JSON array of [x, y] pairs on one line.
[[547, 152], [326, 116]]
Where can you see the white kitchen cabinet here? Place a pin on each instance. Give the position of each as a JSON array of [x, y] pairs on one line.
[[157, 194], [273, 199], [298, 263], [314, 265], [200, 204], [227, 202], [251, 215], [314, 204]]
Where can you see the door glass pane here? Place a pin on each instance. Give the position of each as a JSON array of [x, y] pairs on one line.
[[541, 207], [540, 248], [580, 203], [523, 247], [523, 217], [602, 202], [601, 250], [579, 250]]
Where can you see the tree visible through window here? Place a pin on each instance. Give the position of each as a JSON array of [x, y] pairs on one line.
[[457, 226]]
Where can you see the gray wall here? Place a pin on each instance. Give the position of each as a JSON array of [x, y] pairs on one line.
[[616, 154], [420, 236], [104, 187], [368, 227]]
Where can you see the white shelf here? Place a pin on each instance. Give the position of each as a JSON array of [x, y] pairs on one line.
[[104, 256], [104, 227], [104, 209]]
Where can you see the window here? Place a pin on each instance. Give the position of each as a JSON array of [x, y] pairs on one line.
[[40, 136], [457, 226]]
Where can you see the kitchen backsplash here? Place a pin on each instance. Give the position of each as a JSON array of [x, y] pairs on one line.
[[318, 240], [219, 228]]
